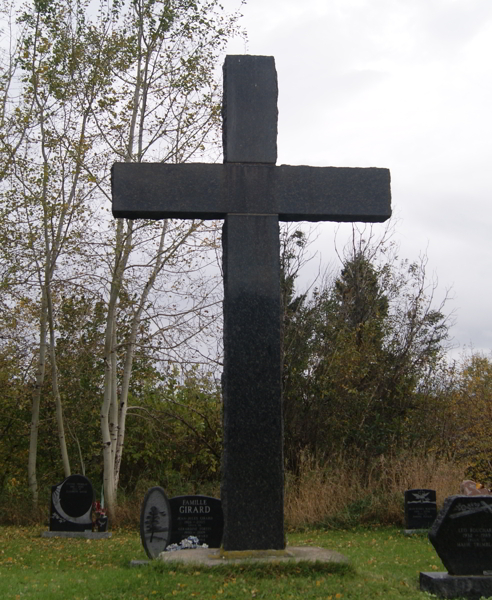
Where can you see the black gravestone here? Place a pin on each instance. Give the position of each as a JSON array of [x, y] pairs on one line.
[[420, 509], [199, 516], [71, 504], [462, 537], [155, 522]]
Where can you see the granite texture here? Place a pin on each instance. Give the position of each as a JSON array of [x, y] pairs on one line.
[[420, 508], [252, 197], [252, 461], [444, 585], [155, 522], [207, 191], [71, 504], [472, 488], [462, 535], [249, 109], [199, 516]]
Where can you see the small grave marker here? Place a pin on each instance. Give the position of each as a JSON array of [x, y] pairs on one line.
[[155, 522], [462, 537], [199, 516], [71, 505], [420, 509]]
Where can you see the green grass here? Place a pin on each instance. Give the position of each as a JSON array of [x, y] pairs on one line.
[[386, 565]]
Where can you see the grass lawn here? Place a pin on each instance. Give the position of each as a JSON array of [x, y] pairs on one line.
[[385, 563]]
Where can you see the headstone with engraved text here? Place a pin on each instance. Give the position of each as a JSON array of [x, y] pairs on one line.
[[71, 504], [420, 508], [199, 516], [462, 537]]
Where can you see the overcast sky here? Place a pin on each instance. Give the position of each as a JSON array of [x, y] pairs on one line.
[[402, 84]]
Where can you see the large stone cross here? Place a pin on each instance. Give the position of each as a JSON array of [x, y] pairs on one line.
[[252, 195]]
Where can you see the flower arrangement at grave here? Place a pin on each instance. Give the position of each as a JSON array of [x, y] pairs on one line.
[[99, 517]]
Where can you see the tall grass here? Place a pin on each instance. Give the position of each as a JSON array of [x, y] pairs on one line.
[[337, 493], [344, 492]]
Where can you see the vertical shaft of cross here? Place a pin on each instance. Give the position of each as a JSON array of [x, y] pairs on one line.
[[252, 462]]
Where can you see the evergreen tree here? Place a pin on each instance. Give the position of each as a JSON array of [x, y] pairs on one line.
[[356, 352]]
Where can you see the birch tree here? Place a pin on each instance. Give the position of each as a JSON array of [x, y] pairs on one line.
[[12, 129], [46, 198], [135, 82], [165, 108]]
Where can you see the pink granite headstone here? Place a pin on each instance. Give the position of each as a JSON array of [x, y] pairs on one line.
[[470, 488]]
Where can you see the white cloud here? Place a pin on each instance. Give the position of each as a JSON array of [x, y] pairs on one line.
[[405, 85]]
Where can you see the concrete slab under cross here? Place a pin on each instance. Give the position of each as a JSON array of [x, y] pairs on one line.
[[252, 194]]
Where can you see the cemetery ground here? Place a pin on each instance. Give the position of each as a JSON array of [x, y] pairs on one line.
[[384, 564]]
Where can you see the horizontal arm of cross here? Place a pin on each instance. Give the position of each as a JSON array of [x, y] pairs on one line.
[[210, 191]]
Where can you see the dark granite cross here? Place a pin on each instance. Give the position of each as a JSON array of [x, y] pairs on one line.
[[252, 195]]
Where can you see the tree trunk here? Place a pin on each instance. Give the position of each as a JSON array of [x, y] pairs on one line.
[[109, 409], [36, 401], [55, 388]]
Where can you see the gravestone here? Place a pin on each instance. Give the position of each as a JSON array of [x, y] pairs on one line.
[[71, 505], [462, 537], [252, 195], [199, 516], [155, 522], [471, 488], [420, 509]]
